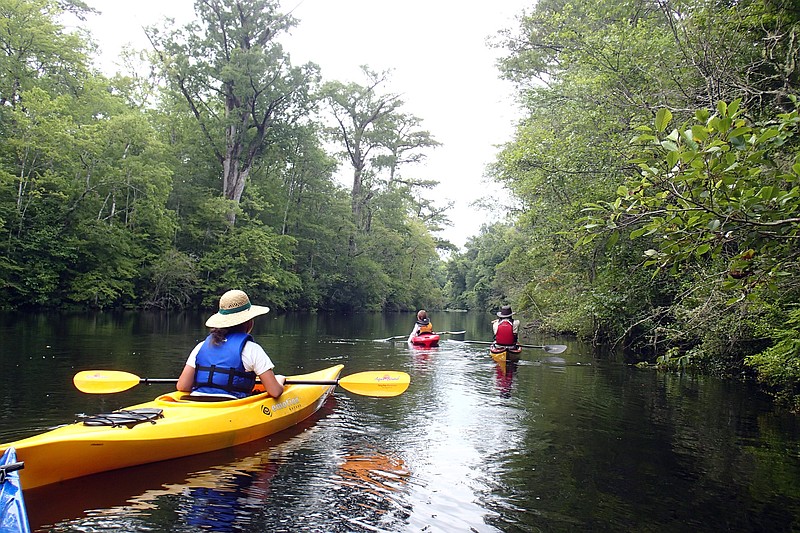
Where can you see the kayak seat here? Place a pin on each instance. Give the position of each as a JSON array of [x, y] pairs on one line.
[[206, 398], [124, 417]]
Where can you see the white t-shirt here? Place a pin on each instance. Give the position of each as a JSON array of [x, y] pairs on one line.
[[254, 358]]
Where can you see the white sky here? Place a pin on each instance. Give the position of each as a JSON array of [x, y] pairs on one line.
[[440, 64]]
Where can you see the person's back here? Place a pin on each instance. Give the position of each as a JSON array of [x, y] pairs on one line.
[[227, 362], [505, 333], [422, 325], [219, 366], [505, 328]]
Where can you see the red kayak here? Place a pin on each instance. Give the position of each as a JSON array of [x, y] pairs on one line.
[[426, 340]]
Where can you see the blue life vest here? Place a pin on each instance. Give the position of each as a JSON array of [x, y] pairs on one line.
[[219, 369]]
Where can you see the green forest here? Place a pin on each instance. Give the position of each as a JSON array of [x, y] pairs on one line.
[[654, 178]]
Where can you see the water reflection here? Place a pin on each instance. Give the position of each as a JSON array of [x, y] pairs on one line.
[[376, 473], [504, 375], [217, 491], [567, 444]]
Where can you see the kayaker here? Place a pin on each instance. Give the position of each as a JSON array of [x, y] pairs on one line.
[[227, 362], [422, 325], [506, 330]]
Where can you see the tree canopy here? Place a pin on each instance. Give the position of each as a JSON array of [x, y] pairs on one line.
[[655, 179], [207, 167]]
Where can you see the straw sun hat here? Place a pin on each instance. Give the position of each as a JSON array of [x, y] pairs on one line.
[[234, 309]]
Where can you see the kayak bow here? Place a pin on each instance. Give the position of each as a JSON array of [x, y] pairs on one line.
[[168, 427], [13, 516]]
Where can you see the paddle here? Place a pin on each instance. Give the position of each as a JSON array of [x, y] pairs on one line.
[[548, 348], [392, 338], [406, 336], [379, 383]]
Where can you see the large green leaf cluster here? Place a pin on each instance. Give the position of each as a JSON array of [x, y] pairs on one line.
[[679, 246]]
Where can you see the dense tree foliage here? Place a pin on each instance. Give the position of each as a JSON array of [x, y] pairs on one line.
[[201, 169], [657, 173], [654, 178]]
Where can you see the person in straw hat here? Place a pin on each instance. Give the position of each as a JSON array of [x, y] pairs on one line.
[[505, 328], [227, 362]]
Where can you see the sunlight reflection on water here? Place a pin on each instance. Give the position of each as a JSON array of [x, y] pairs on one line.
[[470, 446]]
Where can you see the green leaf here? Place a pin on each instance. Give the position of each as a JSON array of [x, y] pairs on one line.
[[766, 135], [672, 158], [612, 240], [739, 143], [688, 137], [737, 132], [669, 145], [699, 133], [663, 118]]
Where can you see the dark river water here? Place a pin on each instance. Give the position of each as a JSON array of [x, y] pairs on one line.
[[567, 444]]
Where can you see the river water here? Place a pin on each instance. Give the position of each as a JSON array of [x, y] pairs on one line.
[[571, 443]]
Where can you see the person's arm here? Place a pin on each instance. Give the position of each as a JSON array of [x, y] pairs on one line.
[[255, 359], [186, 380], [272, 384], [413, 332]]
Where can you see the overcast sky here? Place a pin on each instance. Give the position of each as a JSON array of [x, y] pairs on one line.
[[440, 64]]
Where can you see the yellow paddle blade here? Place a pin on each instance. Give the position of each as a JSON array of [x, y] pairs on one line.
[[104, 381], [380, 383]]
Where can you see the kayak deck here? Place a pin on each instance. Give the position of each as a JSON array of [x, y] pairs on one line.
[[185, 427], [427, 340], [501, 354]]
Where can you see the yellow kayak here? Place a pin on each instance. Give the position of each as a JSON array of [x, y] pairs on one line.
[[501, 353], [167, 427]]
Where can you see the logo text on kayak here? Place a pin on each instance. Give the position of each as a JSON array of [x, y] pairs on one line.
[[292, 404]]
